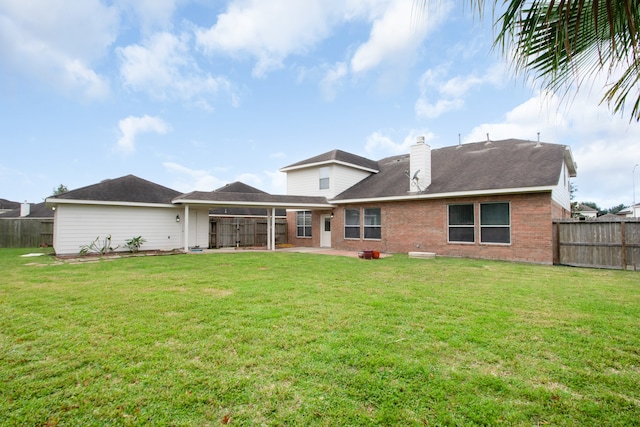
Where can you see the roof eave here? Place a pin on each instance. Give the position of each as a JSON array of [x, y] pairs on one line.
[[328, 162], [423, 196], [248, 204], [52, 201]]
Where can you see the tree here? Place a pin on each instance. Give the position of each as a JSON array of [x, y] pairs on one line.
[[554, 39], [61, 189]]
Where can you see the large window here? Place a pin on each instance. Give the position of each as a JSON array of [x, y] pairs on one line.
[[352, 223], [495, 223], [372, 223], [461, 223], [324, 178], [303, 224]]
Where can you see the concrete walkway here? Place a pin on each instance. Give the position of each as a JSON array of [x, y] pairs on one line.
[[319, 251]]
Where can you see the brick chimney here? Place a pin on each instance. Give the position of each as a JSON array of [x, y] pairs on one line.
[[419, 166]]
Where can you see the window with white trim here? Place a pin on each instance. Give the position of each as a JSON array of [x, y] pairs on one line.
[[495, 223], [352, 223], [372, 223], [461, 223], [324, 178], [303, 224]]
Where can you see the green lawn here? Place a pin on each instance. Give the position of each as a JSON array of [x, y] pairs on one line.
[[303, 339]]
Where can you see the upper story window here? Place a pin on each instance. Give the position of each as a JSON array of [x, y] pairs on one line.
[[352, 223], [495, 223], [461, 223], [303, 224], [324, 178], [372, 223]]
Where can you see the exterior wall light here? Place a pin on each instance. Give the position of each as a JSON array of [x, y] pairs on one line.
[[177, 218]]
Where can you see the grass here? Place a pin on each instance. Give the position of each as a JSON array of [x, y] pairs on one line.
[[303, 339]]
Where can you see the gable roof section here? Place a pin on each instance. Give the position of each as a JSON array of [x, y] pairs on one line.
[[333, 157], [126, 189], [475, 168], [241, 187]]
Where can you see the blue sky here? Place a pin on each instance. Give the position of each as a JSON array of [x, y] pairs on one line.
[[197, 94]]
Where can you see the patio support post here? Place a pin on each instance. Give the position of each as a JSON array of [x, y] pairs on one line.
[[186, 228], [273, 229]]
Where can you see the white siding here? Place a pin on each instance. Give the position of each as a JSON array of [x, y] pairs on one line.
[[306, 182], [198, 228], [79, 225], [561, 194]]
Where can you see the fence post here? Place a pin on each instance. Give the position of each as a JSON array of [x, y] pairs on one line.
[[623, 237]]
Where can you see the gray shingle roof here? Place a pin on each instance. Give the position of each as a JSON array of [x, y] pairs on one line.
[[8, 204], [36, 210], [479, 166], [250, 199], [336, 156], [128, 188], [241, 187]]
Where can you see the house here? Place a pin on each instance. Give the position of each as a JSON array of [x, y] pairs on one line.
[[584, 211], [130, 206], [490, 199], [123, 208], [8, 205]]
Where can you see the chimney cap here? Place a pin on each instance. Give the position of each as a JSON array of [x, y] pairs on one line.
[[420, 139]]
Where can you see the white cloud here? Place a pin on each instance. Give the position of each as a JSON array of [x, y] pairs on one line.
[[332, 79], [192, 179], [393, 37], [131, 127], [57, 41], [379, 145], [439, 94], [163, 67], [268, 31]]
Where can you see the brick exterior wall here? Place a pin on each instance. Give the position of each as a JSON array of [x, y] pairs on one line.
[[423, 226]]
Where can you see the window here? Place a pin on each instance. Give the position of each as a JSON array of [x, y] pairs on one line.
[[372, 223], [303, 224], [324, 178], [495, 223], [352, 223], [461, 223]]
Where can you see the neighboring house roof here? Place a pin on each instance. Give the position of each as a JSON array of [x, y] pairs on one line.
[[128, 188], [36, 210], [8, 204], [240, 187], [470, 168], [335, 156]]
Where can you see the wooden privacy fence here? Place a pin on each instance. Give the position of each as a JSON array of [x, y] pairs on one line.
[[599, 244], [26, 232], [243, 232]]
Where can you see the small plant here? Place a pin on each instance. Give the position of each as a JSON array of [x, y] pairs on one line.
[[134, 243], [98, 246]]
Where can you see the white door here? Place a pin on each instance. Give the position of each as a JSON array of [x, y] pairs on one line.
[[325, 234]]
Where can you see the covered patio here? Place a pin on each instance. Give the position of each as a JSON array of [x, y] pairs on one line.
[[219, 199]]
